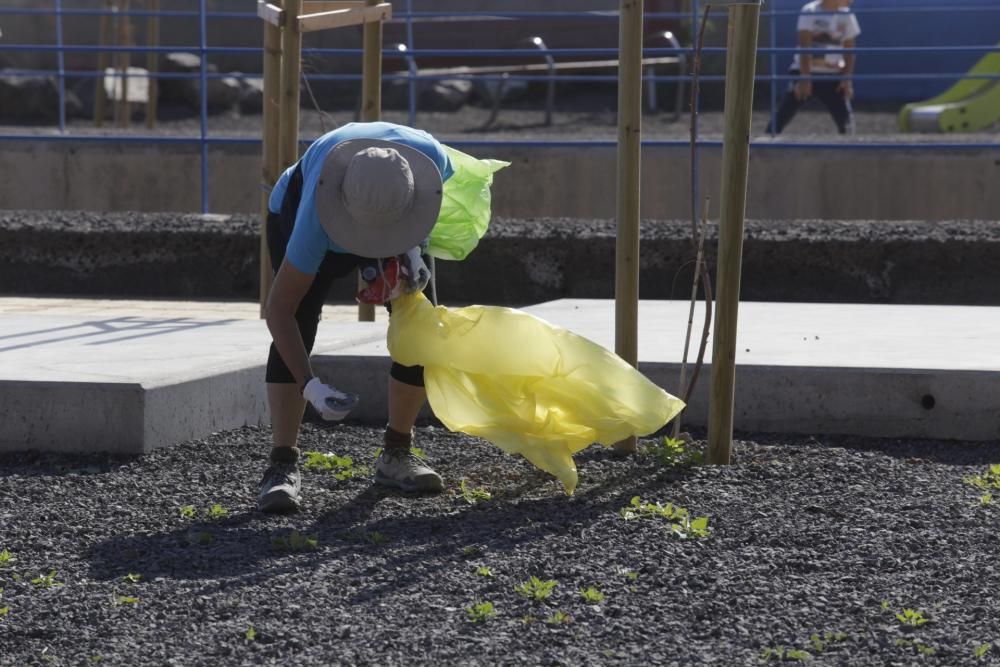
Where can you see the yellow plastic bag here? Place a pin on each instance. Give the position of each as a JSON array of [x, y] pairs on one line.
[[527, 386]]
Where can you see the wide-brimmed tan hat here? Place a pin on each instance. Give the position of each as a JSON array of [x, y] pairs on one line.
[[377, 198]]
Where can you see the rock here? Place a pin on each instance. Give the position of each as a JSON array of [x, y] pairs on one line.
[[251, 95], [33, 98], [445, 95]]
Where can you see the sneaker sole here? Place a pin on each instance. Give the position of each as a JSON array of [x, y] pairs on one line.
[[277, 503], [409, 488]]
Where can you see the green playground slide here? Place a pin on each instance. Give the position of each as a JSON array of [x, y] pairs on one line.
[[968, 106]]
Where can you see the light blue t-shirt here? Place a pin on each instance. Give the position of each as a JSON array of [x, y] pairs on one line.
[[309, 243]]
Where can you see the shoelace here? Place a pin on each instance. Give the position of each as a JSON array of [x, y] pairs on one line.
[[278, 474]]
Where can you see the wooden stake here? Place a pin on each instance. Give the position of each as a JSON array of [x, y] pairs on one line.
[[740, 67], [371, 106], [152, 63], [291, 71], [271, 166], [629, 168]]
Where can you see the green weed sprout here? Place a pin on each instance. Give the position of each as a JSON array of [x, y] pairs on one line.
[[672, 452], [7, 558], [911, 618], [981, 650], [989, 480], [820, 642], [342, 467], [480, 612], [250, 634], [217, 512], [536, 589], [559, 617], [132, 578], [484, 571], [126, 599], [188, 511], [591, 595], [473, 494], [295, 541], [46, 580], [681, 523]]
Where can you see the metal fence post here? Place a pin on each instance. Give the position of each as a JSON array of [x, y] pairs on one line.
[[203, 51], [61, 58], [773, 23]]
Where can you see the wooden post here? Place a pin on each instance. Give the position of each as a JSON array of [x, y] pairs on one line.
[[152, 62], [371, 105], [629, 161], [271, 166], [291, 71], [740, 67]]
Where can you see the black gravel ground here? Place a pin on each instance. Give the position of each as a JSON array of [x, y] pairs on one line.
[[825, 536]]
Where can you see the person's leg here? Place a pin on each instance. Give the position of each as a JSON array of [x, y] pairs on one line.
[[835, 103], [405, 403], [789, 106]]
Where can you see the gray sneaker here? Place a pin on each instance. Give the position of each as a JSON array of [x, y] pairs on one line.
[[404, 470], [279, 488]]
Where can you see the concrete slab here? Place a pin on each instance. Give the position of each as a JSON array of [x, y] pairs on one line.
[[82, 375], [130, 383]]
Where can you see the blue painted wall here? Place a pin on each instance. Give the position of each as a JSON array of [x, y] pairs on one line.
[[910, 23]]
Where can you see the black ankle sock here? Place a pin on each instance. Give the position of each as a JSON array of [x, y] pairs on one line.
[[396, 440], [284, 455]]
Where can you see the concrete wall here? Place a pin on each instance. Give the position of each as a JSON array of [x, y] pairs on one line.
[[894, 184]]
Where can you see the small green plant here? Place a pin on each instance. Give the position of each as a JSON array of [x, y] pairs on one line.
[[528, 619], [681, 523], [821, 642], [46, 580], [188, 511], [126, 599], [295, 541], [202, 537], [919, 647], [250, 634], [342, 467], [96, 658], [911, 618], [7, 558], [473, 494], [484, 571], [591, 595], [981, 650], [217, 512], [671, 452], [472, 550], [989, 480], [559, 617], [536, 589], [986, 498], [4, 611], [376, 538], [480, 612], [780, 653], [132, 578]]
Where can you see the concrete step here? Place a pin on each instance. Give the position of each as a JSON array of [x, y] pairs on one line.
[[105, 380]]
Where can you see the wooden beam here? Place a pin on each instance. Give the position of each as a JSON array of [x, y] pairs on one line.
[[629, 171], [291, 72], [271, 13], [540, 67], [741, 56], [340, 18], [317, 6]]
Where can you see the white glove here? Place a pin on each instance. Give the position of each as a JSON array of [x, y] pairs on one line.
[[415, 270], [331, 404]]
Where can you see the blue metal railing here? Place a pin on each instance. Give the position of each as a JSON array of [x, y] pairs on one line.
[[409, 52]]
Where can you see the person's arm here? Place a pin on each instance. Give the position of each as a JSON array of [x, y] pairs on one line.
[[803, 87], [846, 86], [287, 291]]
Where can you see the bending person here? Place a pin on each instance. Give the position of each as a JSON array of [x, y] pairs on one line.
[[362, 192]]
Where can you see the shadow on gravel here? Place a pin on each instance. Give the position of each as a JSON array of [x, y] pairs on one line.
[[31, 463]]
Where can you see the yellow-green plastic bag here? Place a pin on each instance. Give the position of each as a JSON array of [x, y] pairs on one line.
[[527, 386], [465, 206]]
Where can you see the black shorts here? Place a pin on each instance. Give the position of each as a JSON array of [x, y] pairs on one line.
[[335, 265]]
